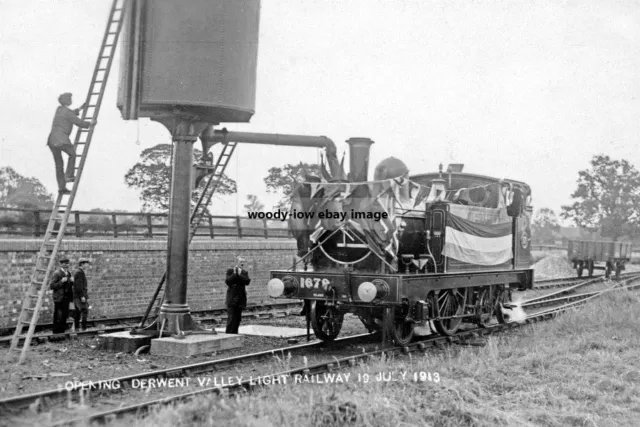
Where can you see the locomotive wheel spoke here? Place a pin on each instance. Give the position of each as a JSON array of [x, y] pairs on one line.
[[399, 329], [326, 321], [489, 304], [451, 302], [503, 296]]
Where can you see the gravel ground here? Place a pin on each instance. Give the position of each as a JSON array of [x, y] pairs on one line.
[[553, 266], [50, 365], [97, 402]]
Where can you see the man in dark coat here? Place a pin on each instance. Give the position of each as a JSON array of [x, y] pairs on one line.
[[61, 285], [237, 280], [59, 141], [80, 295]]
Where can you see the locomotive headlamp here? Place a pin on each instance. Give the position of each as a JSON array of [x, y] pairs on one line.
[[368, 291], [275, 287], [279, 287]]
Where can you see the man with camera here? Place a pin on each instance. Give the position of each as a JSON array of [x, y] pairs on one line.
[[237, 280]]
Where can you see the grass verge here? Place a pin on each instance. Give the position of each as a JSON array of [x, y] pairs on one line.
[[581, 369]]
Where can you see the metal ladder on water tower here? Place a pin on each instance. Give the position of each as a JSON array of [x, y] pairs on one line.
[[197, 214], [46, 259]]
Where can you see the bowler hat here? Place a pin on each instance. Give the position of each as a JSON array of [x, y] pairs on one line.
[[64, 259], [84, 261]]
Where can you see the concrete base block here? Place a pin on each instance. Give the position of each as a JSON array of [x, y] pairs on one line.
[[270, 331], [122, 341], [193, 345]]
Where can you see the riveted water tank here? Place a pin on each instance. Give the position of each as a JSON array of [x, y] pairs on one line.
[[199, 56]]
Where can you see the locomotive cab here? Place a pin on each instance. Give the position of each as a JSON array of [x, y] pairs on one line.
[[480, 223]]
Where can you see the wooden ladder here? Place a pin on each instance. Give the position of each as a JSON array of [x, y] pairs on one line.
[[46, 259]]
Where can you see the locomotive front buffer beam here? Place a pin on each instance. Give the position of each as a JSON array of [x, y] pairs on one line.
[[357, 292]]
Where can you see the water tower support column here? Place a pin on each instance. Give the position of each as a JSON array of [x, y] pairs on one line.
[[175, 313]]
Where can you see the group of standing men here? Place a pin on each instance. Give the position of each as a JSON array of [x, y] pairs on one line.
[[69, 290]]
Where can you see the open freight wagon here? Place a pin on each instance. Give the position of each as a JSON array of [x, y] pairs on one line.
[[599, 255]]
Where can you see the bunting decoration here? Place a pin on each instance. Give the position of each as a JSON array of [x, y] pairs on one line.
[[370, 209]]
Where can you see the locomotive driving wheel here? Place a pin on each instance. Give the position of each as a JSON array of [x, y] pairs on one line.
[[503, 297], [399, 329], [489, 302], [450, 302], [326, 321]]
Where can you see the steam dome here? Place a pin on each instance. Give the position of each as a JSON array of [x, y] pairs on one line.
[[390, 168]]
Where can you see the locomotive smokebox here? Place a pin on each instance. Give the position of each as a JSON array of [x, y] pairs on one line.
[[359, 149], [199, 57]]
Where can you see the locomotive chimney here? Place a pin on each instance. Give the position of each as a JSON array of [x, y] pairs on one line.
[[359, 158]]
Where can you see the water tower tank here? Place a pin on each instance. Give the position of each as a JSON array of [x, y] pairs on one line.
[[197, 55]]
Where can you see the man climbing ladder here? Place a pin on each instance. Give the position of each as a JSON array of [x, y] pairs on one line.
[[59, 141], [46, 259]]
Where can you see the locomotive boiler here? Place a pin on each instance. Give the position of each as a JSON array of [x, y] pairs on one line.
[[398, 251]]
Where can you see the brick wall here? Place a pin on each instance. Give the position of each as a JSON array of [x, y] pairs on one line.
[[124, 274]]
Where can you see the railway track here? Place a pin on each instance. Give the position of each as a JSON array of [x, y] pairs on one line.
[[556, 283], [106, 410], [578, 299], [73, 394], [321, 368], [97, 326], [207, 317], [570, 285], [136, 319], [561, 283]]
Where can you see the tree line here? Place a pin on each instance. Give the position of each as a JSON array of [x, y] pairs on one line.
[[606, 200], [606, 204]]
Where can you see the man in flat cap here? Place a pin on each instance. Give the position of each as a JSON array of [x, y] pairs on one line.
[[61, 285], [80, 295], [59, 141]]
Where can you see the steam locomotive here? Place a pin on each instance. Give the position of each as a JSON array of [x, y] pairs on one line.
[[451, 248]]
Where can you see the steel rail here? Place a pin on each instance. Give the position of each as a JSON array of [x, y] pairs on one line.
[[556, 283], [136, 318], [244, 386], [582, 282], [559, 280], [62, 394], [555, 294], [350, 361], [596, 294], [256, 315], [568, 298]]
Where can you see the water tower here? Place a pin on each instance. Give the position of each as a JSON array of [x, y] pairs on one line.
[[188, 65]]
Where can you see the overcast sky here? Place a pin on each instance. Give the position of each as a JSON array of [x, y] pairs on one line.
[[528, 90]]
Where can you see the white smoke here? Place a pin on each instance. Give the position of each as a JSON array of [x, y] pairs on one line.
[[514, 313], [423, 329]]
